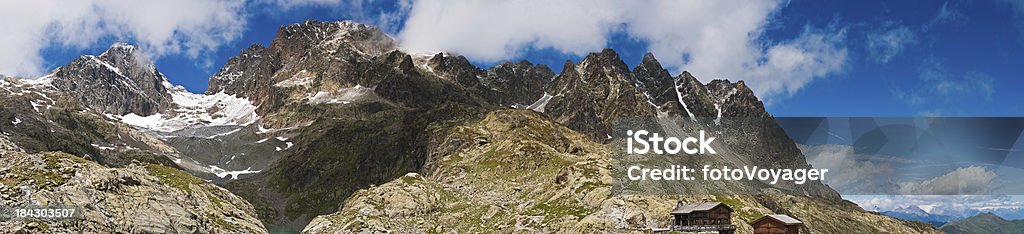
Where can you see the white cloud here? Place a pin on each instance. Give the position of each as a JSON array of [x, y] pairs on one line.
[[846, 173], [955, 205], [852, 173], [712, 39], [965, 180], [289, 4], [188, 27], [885, 44], [495, 30]]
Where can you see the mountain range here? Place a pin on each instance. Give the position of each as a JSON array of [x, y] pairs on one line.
[[984, 223], [333, 127], [916, 213]]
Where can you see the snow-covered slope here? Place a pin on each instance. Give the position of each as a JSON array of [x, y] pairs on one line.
[[196, 110]]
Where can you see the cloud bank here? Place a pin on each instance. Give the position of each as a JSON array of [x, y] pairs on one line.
[[965, 180], [848, 174], [182, 27], [712, 39], [189, 27], [955, 205]]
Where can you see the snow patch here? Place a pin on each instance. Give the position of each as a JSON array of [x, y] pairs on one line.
[[105, 64], [287, 145], [342, 96], [301, 78], [102, 147], [154, 122], [538, 106], [722, 101], [224, 133], [16, 121], [679, 95], [219, 109], [718, 119], [41, 81], [234, 174]]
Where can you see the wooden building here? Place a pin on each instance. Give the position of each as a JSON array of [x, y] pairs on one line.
[[703, 216], [776, 224]]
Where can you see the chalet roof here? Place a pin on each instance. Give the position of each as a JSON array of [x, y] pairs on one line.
[[686, 208], [785, 219]]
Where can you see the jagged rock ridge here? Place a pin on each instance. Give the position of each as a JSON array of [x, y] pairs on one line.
[[121, 80]]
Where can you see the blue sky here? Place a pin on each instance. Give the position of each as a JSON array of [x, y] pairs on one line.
[[899, 58]]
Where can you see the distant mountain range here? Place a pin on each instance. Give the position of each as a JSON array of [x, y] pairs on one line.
[[916, 213], [984, 223], [942, 215]]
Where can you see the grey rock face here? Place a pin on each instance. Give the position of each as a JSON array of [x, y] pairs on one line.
[[519, 83], [150, 199], [119, 81], [39, 119], [590, 95], [695, 96], [309, 57], [455, 68], [653, 78]]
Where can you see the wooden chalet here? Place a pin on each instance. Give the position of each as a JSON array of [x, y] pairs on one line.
[[777, 224], [703, 217]]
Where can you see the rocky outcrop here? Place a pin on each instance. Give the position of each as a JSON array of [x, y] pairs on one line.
[[517, 84], [454, 68], [134, 199], [589, 96], [119, 81], [653, 78], [38, 119], [302, 61]]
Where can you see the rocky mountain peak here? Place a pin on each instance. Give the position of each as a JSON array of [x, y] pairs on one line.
[[652, 77], [401, 61], [736, 99], [119, 81], [330, 37], [230, 78], [590, 95], [568, 66], [694, 96], [911, 209], [989, 215], [519, 83], [119, 48], [456, 68], [607, 60]]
